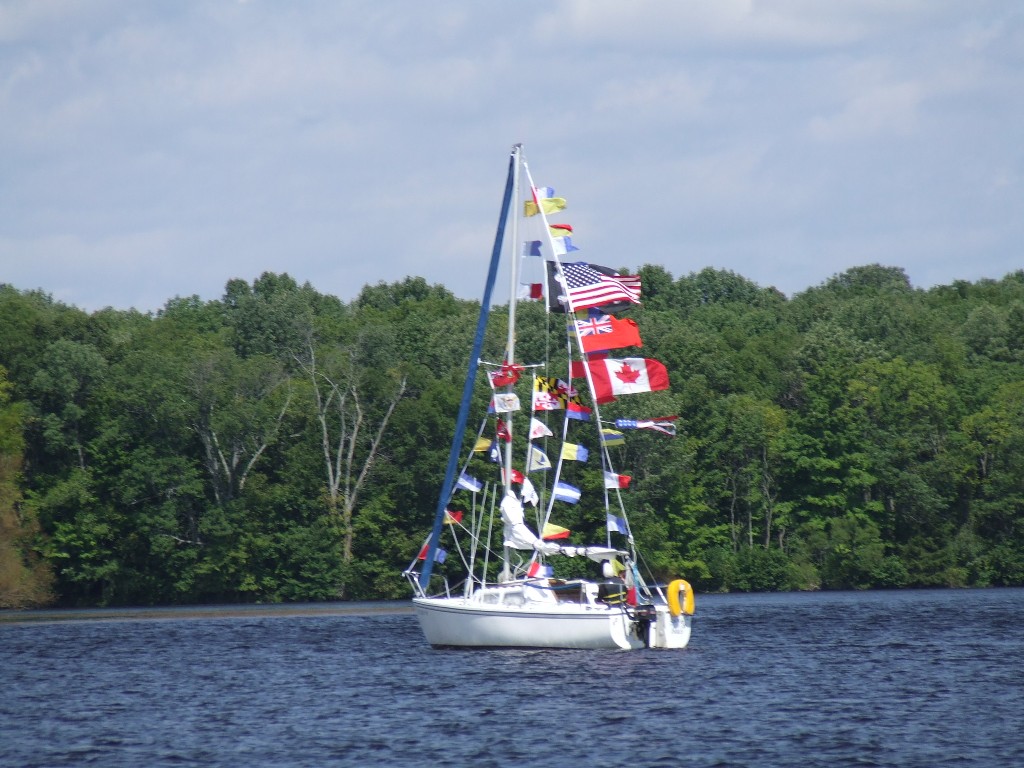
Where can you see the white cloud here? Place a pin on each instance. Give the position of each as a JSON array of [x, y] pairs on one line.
[[881, 109], [349, 142]]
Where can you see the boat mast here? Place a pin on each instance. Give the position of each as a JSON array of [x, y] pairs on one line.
[[467, 387], [510, 342], [513, 293]]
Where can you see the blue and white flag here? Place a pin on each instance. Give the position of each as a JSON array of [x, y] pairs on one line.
[[561, 246], [440, 555], [617, 524], [468, 483], [532, 248], [565, 492]]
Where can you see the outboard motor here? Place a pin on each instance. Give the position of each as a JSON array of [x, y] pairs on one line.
[[643, 616]]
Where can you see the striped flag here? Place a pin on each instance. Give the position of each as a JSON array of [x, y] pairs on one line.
[[612, 437], [540, 571], [543, 199], [577, 411], [617, 524], [565, 492], [591, 285], [469, 483], [612, 480], [561, 245], [439, 554], [663, 424], [573, 452]]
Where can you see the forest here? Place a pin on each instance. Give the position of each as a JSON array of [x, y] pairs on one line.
[[279, 444]]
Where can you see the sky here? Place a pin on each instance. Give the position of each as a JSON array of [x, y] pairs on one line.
[[151, 150]]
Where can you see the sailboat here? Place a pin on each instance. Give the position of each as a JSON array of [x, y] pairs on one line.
[[486, 576]]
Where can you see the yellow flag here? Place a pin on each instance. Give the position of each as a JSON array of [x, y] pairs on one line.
[[549, 204]]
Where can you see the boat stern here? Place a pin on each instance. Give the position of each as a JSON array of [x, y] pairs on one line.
[[669, 631]]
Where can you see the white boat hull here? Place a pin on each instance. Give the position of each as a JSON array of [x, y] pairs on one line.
[[472, 623]]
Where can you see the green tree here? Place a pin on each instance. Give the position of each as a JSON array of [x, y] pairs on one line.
[[25, 579]]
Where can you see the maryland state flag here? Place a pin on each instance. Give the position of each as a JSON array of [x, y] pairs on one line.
[[550, 394]]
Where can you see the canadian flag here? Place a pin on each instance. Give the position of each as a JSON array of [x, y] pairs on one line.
[[626, 376]]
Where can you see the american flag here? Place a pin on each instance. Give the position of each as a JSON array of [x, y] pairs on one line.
[[663, 425], [589, 288]]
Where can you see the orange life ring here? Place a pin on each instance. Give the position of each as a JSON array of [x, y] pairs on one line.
[[675, 589]]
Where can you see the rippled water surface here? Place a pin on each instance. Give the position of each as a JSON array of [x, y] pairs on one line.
[[831, 679]]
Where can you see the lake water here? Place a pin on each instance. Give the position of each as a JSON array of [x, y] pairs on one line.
[[927, 679]]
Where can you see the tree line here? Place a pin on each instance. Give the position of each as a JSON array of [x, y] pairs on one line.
[[279, 444]]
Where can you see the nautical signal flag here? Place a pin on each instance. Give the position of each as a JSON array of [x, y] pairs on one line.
[[452, 516], [468, 483], [539, 429], [600, 332], [482, 444], [573, 452], [501, 431], [565, 492], [537, 459], [590, 285], [552, 531], [617, 524], [530, 291], [515, 474], [577, 411], [560, 246], [663, 424], [611, 437], [540, 571], [613, 377], [543, 200], [439, 554], [563, 245], [529, 493], [612, 480]]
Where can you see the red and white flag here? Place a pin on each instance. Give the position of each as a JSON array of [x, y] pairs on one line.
[[613, 480], [539, 429], [626, 376]]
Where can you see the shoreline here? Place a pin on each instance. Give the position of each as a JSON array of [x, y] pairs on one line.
[[228, 611]]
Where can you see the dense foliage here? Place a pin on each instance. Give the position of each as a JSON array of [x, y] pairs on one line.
[[279, 444]]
